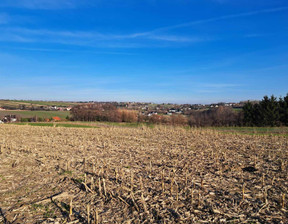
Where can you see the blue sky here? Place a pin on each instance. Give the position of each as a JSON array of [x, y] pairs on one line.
[[178, 51]]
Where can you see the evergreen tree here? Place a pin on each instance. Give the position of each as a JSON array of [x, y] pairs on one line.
[[283, 110], [270, 111], [258, 115], [248, 113]]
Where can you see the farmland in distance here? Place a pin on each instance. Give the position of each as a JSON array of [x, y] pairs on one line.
[[29, 113]]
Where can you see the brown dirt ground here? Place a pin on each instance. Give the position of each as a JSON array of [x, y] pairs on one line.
[[141, 175]]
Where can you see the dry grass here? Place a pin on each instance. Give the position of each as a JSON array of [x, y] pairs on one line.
[[140, 175]]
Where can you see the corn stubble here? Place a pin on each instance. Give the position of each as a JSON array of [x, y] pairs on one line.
[[140, 175]]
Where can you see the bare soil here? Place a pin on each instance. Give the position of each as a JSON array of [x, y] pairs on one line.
[[141, 175]]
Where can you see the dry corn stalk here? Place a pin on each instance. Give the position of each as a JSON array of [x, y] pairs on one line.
[[144, 203], [70, 209], [243, 191], [99, 186], [104, 187], [132, 181], [171, 185], [92, 183], [162, 182], [192, 193], [96, 217], [116, 175], [67, 165], [88, 214], [141, 184], [199, 199]]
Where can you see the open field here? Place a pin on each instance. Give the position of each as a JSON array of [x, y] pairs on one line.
[[29, 114], [254, 130], [226, 130], [28, 103], [141, 175], [58, 124]]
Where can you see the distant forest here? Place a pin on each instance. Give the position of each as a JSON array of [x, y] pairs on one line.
[[268, 112]]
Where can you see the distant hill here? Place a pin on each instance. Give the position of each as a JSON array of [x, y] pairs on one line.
[[30, 104]]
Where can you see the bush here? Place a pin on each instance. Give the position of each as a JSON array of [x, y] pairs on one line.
[[24, 119], [221, 116]]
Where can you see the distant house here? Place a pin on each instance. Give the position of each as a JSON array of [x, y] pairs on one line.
[[172, 110], [2, 108], [152, 113], [10, 118], [56, 118]]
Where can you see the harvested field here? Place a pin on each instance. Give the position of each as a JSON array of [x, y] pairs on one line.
[[29, 114], [141, 175]]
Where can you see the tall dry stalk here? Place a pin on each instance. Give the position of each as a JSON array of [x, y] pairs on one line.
[[96, 217], [88, 213], [243, 191], [70, 209]]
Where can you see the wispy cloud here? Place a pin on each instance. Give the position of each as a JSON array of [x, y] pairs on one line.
[[172, 38], [255, 35], [40, 4], [69, 51], [98, 39], [219, 85], [100, 36], [91, 38], [214, 19]]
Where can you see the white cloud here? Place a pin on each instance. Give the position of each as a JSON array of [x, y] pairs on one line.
[[70, 51], [174, 38], [40, 4], [150, 38], [219, 85], [214, 19], [91, 38]]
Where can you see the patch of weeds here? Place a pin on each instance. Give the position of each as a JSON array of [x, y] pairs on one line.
[[41, 124], [37, 206], [75, 126], [66, 172], [2, 178], [78, 180], [66, 207], [49, 213], [54, 189]]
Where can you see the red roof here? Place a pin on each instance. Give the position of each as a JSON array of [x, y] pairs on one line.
[[56, 118]]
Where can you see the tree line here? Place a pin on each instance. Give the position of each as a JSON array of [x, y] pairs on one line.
[[109, 112], [268, 112]]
